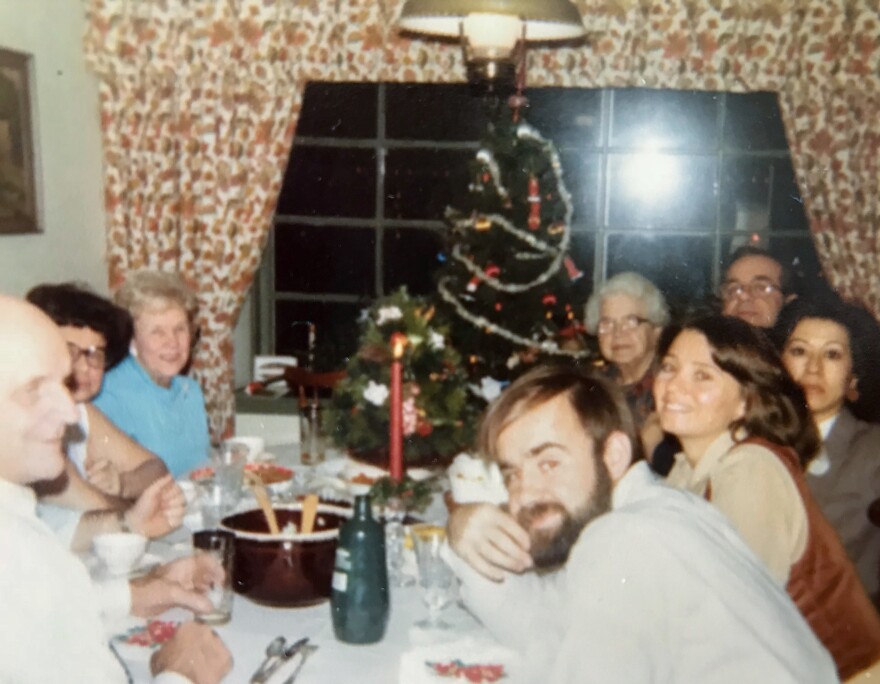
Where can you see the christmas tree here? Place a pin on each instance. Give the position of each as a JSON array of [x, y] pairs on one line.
[[515, 293]]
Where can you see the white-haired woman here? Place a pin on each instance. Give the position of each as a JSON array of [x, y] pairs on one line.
[[145, 395], [627, 313]]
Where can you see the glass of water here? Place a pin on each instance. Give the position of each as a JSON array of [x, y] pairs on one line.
[[436, 578]]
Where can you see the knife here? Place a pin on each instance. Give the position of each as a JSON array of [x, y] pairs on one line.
[[287, 654], [306, 652]]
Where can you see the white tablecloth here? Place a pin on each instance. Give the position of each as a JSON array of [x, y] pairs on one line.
[[253, 626]]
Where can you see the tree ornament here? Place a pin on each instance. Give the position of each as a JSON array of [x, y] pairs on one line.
[[482, 224], [549, 299], [574, 273], [534, 204], [492, 271], [556, 229]]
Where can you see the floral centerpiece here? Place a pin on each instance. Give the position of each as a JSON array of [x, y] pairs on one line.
[[438, 420]]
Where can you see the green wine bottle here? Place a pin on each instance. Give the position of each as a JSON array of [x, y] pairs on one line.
[[359, 603]]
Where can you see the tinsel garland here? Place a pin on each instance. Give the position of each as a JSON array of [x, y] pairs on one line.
[[525, 132]]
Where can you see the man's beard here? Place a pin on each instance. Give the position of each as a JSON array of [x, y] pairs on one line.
[[550, 548]]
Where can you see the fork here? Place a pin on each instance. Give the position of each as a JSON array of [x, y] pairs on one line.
[[306, 651]]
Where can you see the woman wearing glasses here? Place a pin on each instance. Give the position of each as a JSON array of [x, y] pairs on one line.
[[829, 348], [97, 334], [745, 433], [627, 314]]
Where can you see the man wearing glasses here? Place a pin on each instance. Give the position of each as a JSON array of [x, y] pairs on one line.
[[756, 285]]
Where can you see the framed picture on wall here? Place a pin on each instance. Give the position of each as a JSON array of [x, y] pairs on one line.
[[19, 206]]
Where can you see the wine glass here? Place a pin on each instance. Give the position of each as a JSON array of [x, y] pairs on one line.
[[394, 512], [435, 576]]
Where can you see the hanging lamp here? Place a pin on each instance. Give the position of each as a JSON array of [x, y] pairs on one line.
[[490, 30]]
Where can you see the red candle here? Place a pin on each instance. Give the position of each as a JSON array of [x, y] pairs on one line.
[[395, 426]]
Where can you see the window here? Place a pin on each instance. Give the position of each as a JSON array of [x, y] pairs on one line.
[[664, 182]]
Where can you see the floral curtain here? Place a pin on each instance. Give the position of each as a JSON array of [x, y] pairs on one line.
[[199, 100]]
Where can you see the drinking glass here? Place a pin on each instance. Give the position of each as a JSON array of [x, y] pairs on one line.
[[222, 492], [221, 546], [312, 439], [395, 534], [435, 577]]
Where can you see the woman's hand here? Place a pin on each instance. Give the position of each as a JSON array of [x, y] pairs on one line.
[[159, 510], [104, 475]]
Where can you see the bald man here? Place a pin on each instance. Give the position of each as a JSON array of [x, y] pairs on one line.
[[52, 629]]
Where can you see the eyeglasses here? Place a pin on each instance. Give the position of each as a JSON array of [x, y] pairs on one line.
[[757, 289], [626, 324], [96, 357]]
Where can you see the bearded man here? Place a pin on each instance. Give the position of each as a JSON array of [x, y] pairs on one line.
[[596, 571]]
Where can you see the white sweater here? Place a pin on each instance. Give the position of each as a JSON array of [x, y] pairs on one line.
[[661, 589]]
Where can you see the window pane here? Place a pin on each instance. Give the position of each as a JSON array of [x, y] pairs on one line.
[[324, 259], [798, 253], [570, 117], [421, 183], [760, 194], [411, 257], [647, 189], [753, 122], [664, 119], [681, 266], [336, 334], [447, 112], [326, 181], [581, 172], [338, 110]]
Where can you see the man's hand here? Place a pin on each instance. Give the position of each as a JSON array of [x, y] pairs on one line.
[[104, 475], [180, 583], [490, 540], [196, 652], [159, 510]]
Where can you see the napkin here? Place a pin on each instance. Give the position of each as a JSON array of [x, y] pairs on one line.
[[474, 480], [476, 658]]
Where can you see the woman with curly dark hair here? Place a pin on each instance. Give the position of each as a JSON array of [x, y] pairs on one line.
[[830, 349], [746, 433], [98, 334]]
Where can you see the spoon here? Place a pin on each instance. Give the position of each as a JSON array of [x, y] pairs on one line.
[[262, 497], [274, 650]]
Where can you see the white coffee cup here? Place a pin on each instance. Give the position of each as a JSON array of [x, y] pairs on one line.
[[255, 446]]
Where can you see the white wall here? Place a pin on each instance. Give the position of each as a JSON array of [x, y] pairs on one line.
[[71, 246], [67, 127]]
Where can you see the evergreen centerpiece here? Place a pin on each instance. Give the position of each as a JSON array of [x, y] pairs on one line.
[[437, 419], [514, 292]]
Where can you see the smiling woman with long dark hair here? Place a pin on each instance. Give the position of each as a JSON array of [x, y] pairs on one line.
[[746, 433]]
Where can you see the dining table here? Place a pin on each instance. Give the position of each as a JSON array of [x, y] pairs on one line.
[[253, 626]]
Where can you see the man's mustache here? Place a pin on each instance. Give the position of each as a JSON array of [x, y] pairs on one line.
[[529, 514]]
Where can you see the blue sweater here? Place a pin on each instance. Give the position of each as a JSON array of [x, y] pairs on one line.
[[171, 422]]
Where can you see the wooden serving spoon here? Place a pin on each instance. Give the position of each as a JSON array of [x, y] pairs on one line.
[[309, 511], [255, 482]]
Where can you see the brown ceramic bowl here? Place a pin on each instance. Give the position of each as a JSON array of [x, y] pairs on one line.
[[284, 570]]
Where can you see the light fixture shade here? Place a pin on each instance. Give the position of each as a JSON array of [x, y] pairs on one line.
[[544, 19]]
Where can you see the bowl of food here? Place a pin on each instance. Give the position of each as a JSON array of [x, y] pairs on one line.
[[290, 569], [119, 551]]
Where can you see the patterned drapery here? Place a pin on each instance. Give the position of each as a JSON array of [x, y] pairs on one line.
[[199, 100]]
